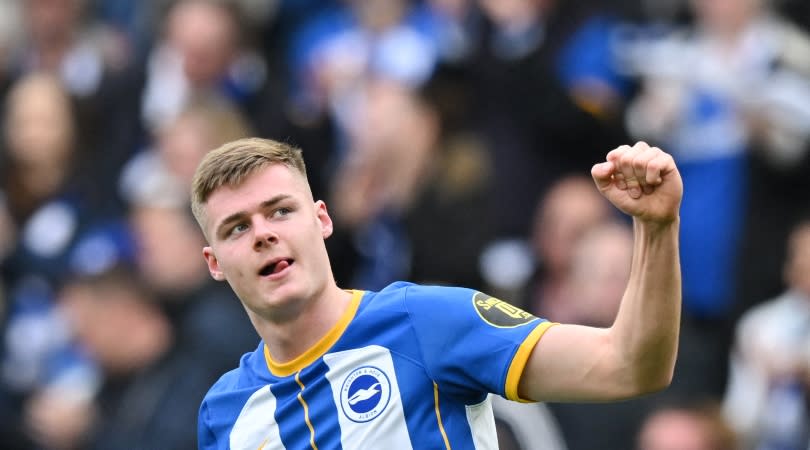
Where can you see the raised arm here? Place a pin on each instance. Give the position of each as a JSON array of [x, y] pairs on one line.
[[636, 355]]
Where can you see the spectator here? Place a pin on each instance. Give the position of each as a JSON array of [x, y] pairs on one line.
[[598, 272], [688, 426], [57, 39], [766, 400], [57, 231], [198, 308], [714, 94], [525, 113], [336, 53], [61, 39], [151, 386], [43, 188], [164, 171], [409, 170], [568, 210], [205, 51]]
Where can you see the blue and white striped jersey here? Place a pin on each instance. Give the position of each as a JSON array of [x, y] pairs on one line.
[[409, 366]]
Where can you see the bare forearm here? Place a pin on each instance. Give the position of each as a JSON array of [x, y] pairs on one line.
[[637, 354], [645, 332]]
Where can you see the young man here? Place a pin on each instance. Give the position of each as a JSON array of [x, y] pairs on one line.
[[411, 366]]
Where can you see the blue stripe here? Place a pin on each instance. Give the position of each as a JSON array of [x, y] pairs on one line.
[[322, 409], [290, 414], [420, 411]]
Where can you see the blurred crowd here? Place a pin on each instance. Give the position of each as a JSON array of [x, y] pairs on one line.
[[452, 141]]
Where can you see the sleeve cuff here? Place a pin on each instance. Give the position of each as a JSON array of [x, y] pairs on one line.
[[521, 358]]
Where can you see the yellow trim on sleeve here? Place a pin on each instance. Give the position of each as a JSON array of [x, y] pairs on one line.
[[320, 347], [520, 360]]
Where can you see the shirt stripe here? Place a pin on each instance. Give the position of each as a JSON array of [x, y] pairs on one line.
[[256, 427], [306, 412], [366, 391], [439, 415], [481, 419]]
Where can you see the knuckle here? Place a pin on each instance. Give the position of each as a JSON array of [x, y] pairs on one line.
[[627, 158]]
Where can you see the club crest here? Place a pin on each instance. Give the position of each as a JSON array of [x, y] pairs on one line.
[[365, 394]]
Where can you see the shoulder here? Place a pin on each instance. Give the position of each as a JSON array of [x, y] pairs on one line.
[[227, 397], [230, 381], [452, 305], [412, 292], [410, 296], [407, 291], [247, 374]]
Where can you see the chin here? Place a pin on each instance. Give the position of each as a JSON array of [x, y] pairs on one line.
[[285, 296]]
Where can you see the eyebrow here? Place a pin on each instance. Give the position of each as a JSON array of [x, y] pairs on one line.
[[240, 215]]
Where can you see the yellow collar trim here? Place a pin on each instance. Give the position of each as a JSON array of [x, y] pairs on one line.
[[320, 347]]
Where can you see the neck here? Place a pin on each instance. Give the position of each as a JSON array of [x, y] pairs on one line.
[[43, 179], [290, 338]]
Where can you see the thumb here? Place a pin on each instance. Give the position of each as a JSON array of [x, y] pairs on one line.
[[602, 174]]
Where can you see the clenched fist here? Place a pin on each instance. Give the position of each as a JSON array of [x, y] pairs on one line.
[[641, 181]]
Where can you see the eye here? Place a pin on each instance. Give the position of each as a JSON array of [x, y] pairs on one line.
[[281, 212], [238, 229]]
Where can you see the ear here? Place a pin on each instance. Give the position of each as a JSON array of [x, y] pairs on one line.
[[323, 217], [213, 264]]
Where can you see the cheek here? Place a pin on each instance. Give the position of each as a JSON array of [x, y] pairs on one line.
[[225, 261], [231, 267]]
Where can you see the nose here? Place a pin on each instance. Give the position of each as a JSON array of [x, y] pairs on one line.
[[264, 235]]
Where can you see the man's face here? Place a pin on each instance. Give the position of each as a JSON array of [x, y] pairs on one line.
[[206, 37], [726, 16], [267, 240]]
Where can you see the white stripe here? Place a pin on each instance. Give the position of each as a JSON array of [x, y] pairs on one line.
[[482, 424], [532, 424], [380, 423], [256, 425]]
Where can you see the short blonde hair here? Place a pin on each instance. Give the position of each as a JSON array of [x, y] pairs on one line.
[[231, 163]]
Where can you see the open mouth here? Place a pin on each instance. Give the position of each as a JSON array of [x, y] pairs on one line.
[[275, 267]]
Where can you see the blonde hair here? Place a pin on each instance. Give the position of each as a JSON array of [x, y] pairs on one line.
[[231, 163]]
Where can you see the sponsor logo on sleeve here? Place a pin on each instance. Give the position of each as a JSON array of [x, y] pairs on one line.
[[498, 313]]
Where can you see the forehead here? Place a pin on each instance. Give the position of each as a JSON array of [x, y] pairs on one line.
[[263, 184]]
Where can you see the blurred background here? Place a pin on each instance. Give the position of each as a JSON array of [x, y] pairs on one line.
[[452, 141]]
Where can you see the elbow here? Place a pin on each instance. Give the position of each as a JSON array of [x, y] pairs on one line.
[[655, 384], [654, 380], [640, 384], [644, 387], [652, 369]]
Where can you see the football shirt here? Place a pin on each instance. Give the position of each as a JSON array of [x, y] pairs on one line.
[[410, 366]]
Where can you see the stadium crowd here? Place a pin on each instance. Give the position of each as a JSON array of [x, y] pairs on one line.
[[452, 141]]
